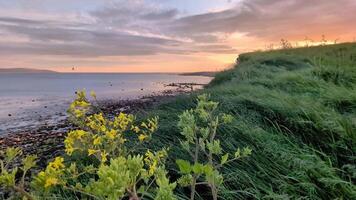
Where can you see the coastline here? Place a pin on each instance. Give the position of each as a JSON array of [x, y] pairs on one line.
[[207, 74], [46, 141]]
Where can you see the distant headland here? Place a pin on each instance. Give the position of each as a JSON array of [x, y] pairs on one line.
[[210, 74], [23, 70]]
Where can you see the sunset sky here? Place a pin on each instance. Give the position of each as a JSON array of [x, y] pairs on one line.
[[160, 35]]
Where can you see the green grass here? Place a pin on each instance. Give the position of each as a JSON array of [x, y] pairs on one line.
[[296, 109]]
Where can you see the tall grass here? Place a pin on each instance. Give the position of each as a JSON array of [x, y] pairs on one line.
[[296, 108]]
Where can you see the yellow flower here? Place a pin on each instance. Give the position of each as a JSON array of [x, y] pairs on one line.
[[123, 120], [92, 93], [72, 106], [103, 156], [78, 134], [57, 163], [103, 128], [136, 129], [144, 125], [142, 137], [69, 150], [149, 155], [51, 181], [161, 154], [111, 134], [97, 141], [78, 113], [100, 117], [152, 167], [91, 124], [41, 174], [91, 152], [83, 104], [68, 144]]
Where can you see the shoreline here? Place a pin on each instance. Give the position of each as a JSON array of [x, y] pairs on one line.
[[30, 100], [46, 141]]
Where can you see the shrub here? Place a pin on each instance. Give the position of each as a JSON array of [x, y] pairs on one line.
[[199, 128], [104, 157], [115, 171]]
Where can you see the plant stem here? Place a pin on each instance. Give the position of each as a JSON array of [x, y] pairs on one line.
[[22, 182], [133, 195], [212, 185], [23, 192], [80, 191], [148, 187], [192, 188], [214, 191], [194, 181]]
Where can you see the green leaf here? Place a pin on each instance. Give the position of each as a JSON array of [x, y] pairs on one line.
[[185, 180], [208, 170], [238, 153], [184, 166], [205, 132], [165, 188], [8, 178], [224, 158], [11, 153], [246, 152], [185, 145], [141, 189], [215, 178], [198, 168], [29, 162], [214, 147]]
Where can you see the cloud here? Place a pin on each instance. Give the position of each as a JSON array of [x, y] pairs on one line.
[[130, 29], [133, 14], [160, 15], [143, 28], [86, 43], [273, 19]]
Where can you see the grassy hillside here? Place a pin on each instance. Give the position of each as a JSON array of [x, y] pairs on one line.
[[297, 110]]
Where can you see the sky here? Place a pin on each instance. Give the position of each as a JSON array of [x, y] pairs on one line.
[[160, 35]]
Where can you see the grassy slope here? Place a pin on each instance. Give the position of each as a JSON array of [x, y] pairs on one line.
[[297, 110]]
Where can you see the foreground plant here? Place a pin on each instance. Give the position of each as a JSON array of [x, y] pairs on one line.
[[199, 128], [104, 157], [8, 173], [101, 162]]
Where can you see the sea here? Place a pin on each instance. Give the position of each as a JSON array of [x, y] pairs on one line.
[[34, 99]]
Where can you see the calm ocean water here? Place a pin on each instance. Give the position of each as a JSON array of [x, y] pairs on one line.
[[33, 99]]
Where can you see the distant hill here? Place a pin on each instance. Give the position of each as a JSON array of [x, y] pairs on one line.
[[24, 70], [210, 74]]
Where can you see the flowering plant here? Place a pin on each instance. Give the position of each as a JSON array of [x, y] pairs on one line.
[[115, 171], [104, 159]]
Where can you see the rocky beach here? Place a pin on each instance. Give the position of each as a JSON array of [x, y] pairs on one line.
[[46, 140]]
